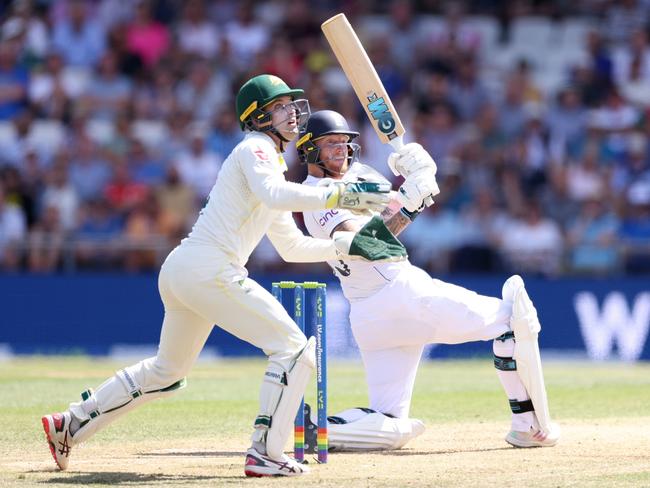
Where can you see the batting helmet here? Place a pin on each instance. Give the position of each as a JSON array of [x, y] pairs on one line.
[[320, 124]]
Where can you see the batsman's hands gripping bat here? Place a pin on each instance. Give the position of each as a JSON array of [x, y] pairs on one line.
[[417, 187], [409, 159], [366, 83]]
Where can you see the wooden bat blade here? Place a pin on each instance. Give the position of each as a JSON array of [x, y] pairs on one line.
[[364, 79]]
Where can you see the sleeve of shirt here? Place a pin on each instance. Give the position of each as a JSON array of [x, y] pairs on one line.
[[295, 247], [264, 173], [321, 223]]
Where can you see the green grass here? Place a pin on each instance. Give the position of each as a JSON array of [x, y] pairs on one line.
[[220, 403]]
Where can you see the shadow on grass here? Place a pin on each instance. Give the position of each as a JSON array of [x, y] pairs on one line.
[[413, 452], [193, 453], [121, 478]]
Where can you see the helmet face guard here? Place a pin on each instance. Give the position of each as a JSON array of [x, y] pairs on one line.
[[261, 120], [321, 124], [310, 153]]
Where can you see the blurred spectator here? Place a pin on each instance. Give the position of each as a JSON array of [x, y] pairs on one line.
[[14, 82], [177, 206], [51, 91], [60, 193], [155, 99], [225, 133], [97, 237], [145, 36], [532, 243], [467, 91], [585, 178], [144, 167], [247, 37], [18, 193], [612, 121], [512, 115], [30, 30], [79, 38], [623, 17], [196, 34], [108, 92], [635, 228], [13, 230], [122, 192], [199, 166], [46, 242], [592, 238], [89, 171], [203, 92], [567, 123], [141, 237]]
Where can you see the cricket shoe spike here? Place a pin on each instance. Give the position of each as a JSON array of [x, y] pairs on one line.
[[258, 465], [534, 437], [59, 438]]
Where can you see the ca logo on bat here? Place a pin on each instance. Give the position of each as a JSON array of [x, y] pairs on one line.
[[379, 110]]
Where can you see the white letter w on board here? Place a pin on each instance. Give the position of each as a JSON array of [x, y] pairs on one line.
[[614, 322]]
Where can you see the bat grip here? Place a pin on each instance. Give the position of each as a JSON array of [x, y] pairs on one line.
[[398, 143]]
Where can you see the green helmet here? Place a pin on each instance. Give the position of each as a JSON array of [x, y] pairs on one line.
[[257, 92]]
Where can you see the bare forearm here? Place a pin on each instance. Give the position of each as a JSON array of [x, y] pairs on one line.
[[397, 222]]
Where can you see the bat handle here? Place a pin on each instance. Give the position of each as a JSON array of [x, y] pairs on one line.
[[398, 143]]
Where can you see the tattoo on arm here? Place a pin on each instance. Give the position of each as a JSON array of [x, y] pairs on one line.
[[397, 223]]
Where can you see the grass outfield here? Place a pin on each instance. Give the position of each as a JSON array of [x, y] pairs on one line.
[[198, 437]]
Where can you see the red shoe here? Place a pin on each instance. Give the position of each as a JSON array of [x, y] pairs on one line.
[[57, 432]]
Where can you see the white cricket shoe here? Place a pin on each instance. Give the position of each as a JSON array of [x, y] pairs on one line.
[[534, 437], [57, 432], [258, 465]]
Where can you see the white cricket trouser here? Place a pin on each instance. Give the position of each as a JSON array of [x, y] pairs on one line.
[[392, 326], [199, 288]]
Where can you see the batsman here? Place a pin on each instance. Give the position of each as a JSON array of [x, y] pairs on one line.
[[204, 282], [396, 308]]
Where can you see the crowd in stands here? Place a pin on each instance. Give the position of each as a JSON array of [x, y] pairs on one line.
[[115, 117]]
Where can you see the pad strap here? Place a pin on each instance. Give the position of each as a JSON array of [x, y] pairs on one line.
[[505, 336], [505, 364], [521, 407]]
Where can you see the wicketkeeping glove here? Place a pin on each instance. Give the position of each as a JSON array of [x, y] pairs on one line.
[[374, 242], [409, 159], [359, 195]]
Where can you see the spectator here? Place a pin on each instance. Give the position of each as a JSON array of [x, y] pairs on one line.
[[592, 238], [143, 166], [14, 82], [89, 171], [141, 237], [246, 36], [108, 92], [203, 92], [225, 133], [199, 166], [635, 228], [46, 243], [97, 237], [80, 39], [13, 230], [122, 192], [60, 193], [146, 37], [532, 243], [196, 34], [176, 201]]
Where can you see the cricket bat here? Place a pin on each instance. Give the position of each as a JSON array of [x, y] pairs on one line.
[[366, 83]]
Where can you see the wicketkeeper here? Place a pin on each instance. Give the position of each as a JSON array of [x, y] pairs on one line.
[[396, 308], [204, 282]]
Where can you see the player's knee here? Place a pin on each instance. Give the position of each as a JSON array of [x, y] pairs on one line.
[[155, 374], [504, 348]]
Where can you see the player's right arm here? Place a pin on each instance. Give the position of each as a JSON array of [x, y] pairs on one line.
[[264, 171]]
